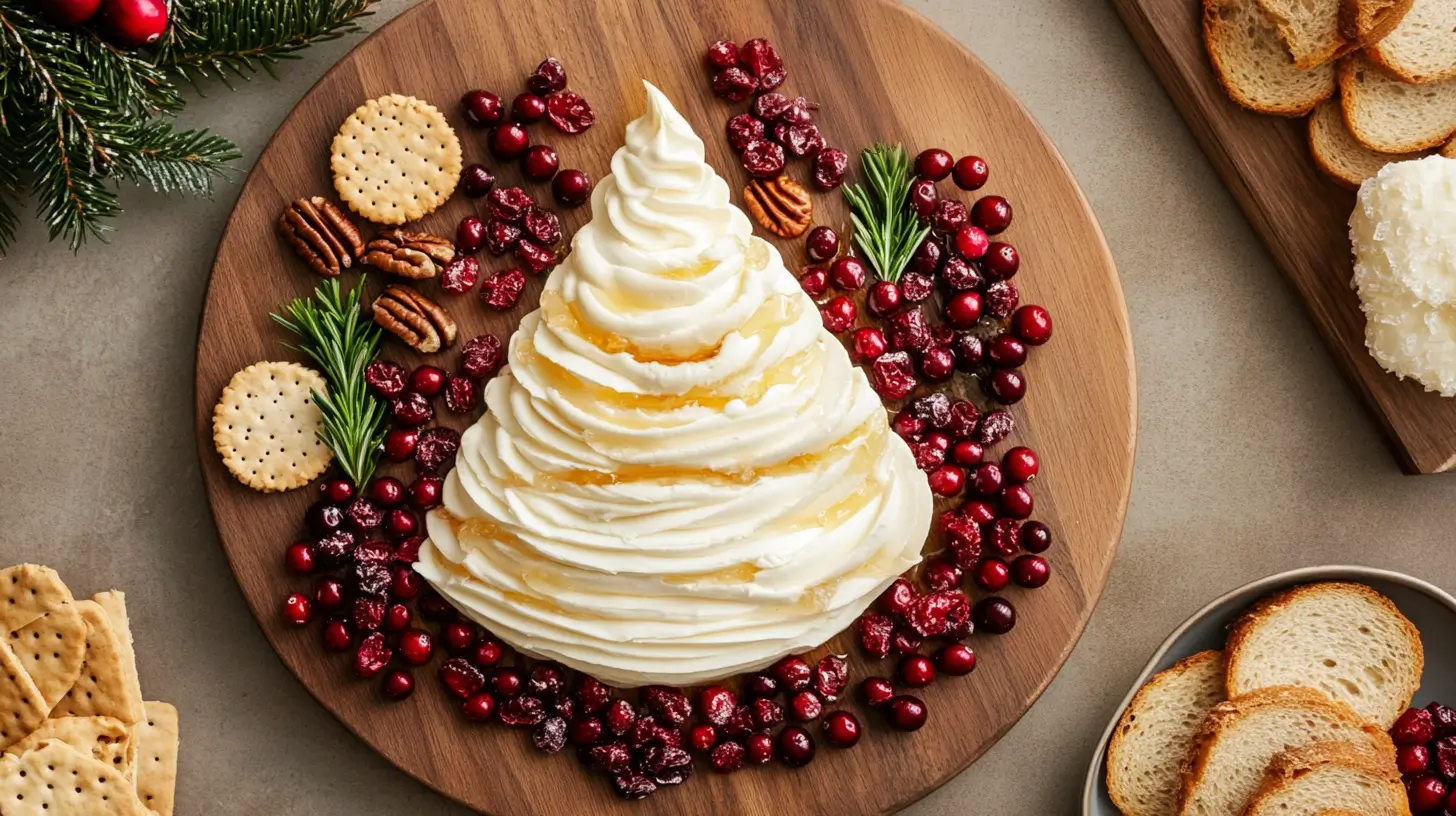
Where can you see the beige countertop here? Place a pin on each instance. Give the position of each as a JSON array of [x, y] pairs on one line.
[[1253, 456]]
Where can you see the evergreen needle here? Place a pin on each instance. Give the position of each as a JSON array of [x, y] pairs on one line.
[[336, 334], [885, 229]]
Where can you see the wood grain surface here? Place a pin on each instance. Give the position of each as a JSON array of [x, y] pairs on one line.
[[1301, 217], [877, 71]]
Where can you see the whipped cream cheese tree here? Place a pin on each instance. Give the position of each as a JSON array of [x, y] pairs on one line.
[[681, 475]]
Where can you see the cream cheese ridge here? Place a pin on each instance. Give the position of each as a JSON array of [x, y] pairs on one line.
[[680, 474]]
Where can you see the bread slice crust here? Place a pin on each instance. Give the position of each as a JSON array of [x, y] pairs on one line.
[[1365, 86], [1266, 610], [1340, 155], [1228, 43], [1289, 769], [1119, 757], [1365, 22], [1313, 38], [1429, 24]]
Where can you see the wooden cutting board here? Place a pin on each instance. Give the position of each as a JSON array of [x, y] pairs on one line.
[[877, 71], [1301, 217]]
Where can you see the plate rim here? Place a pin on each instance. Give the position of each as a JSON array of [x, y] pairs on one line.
[[1268, 582]]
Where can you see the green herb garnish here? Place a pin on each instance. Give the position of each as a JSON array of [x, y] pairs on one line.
[[885, 229], [338, 336]]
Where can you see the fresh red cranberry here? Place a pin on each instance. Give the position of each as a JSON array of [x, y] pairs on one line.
[[401, 523], [941, 575], [470, 235], [1001, 262], [848, 273], [978, 512], [1031, 571], [416, 647], [955, 659], [1412, 759], [948, 215], [479, 707], [508, 141], [338, 491], [869, 343], [337, 637], [722, 54], [1427, 793], [328, 593], [528, 107], [986, 479], [399, 444], [923, 198], [1414, 727], [571, 187], [1016, 501], [905, 713], [1033, 324], [398, 685], [966, 453], [424, 492], [842, 729], [702, 738], [876, 691], [822, 244], [995, 616], [947, 480], [323, 518], [386, 490], [992, 574], [1006, 385], [587, 731], [916, 671], [908, 426], [1020, 465], [300, 557], [761, 685], [482, 108], [796, 747], [814, 281], [1035, 537], [458, 636], [1006, 351], [476, 180], [971, 242], [541, 163], [806, 706], [758, 748], [838, 314], [970, 173], [964, 309], [898, 597], [992, 214], [933, 164], [883, 298], [938, 364], [372, 656], [397, 618], [486, 654], [968, 350], [297, 609], [830, 165]]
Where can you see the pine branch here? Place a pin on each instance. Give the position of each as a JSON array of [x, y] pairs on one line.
[[226, 39], [175, 160], [9, 189]]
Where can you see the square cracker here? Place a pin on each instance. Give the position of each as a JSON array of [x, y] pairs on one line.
[[157, 743], [113, 603], [102, 689], [55, 778], [21, 707], [52, 648], [28, 591], [104, 739]]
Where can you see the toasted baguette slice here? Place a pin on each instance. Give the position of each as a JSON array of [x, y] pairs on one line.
[[1337, 153], [1368, 21], [1391, 116], [1310, 30], [1449, 151], [1252, 64], [1346, 640], [1155, 736], [1242, 735], [1313, 779], [1423, 47]]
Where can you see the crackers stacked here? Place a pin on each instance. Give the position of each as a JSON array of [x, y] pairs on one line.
[[1376, 77], [1290, 718], [75, 734]]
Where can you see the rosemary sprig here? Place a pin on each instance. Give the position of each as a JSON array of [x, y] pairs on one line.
[[885, 229], [337, 335]]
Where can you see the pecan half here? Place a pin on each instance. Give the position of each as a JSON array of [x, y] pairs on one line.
[[413, 255], [780, 205], [321, 234], [414, 318]]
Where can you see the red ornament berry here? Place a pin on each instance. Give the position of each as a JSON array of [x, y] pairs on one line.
[[1031, 571], [848, 273], [508, 141], [869, 343], [933, 164], [571, 187], [838, 314], [970, 173], [540, 163], [133, 23], [971, 242], [905, 713], [297, 609], [883, 298], [482, 108], [992, 214], [1033, 324]]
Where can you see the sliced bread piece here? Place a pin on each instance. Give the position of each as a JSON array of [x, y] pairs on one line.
[[1337, 153], [1339, 812], [1310, 29], [1253, 65], [1368, 21], [1310, 780], [1391, 116], [1155, 736], [1346, 640], [1423, 47], [1242, 735], [1449, 151]]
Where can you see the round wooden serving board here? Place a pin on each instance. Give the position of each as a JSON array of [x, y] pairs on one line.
[[877, 71]]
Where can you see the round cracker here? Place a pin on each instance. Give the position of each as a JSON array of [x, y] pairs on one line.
[[266, 427], [395, 159]]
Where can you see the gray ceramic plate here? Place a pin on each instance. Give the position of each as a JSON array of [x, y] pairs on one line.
[[1430, 608]]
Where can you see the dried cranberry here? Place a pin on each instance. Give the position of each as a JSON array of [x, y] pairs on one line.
[[770, 106], [893, 375], [968, 350], [675, 765], [549, 77], [333, 548], [909, 331], [1004, 536], [501, 290], [726, 757], [586, 732], [934, 409], [831, 676], [647, 731], [802, 140], [363, 515], [501, 237], [734, 84], [908, 426], [759, 56], [928, 257], [481, 356], [668, 704], [437, 448], [1444, 758], [1415, 727], [460, 394], [941, 575], [614, 757], [897, 597], [1001, 299], [634, 786], [927, 616], [761, 685], [838, 314], [916, 287], [766, 713], [722, 54], [830, 166], [509, 204], [875, 631], [460, 275], [546, 681], [536, 258], [798, 112], [948, 215], [569, 112], [367, 614], [522, 711], [619, 717], [544, 227], [412, 409], [962, 533], [742, 129], [373, 655], [763, 158], [995, 426], [906, 641], [1443, 719], [960, 276], [590, 694], [962, 419], [371, 579], [385, 378], [461, 678]]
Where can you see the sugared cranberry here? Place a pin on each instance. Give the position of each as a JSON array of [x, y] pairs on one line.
[[1006, 385], [796, 747], [830, 165], [994, 615], [734, 84], [814, 281], [722, 54], [869, 343], [948, 215], [992, 214], [822, 244], [412, 409], [966, 453], [759, 56], [793, 673], [1001, 262], [1033, 324], [971, 242], [1031, 571], [941, 575], [1016, 501], [947, 480], [743, 129], [905, 713], [964, 310], [482, 108], [848, 273], [528, 107], [726, 757], [992, 574], [336, 636], [970, 173], [923, 198], [540, 163], [978, 512], [1427, 793], [479, 707], [763, 158], [508, 141], [838, 314], [571, 187], [806, 706], [1412, 759], [300, 557], [297, 609], [883, 298], [372, 656], [1414, 727], [933, 164], [955, 659], [916, 671], [761, 685], [416, 647], [938, 364], [398, 684]]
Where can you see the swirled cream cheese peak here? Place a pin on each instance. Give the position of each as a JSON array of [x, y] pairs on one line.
[[680, 475]]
